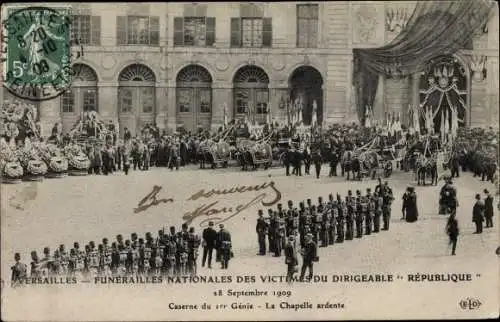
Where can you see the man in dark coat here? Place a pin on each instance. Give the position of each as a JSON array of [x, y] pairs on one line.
[[488, 209], [287, 160], [209, 240], [478, 214], [452, 231], [317, 160], [309, 256], [291, 260], [224, 243], [262, 230]]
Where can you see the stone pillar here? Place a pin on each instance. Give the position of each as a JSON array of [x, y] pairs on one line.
[[161, 105], [50, 114], [171, 108], [108, 101], [221, 93], [278, 94]]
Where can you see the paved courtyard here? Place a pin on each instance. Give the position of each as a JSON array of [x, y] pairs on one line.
[[89, 208]]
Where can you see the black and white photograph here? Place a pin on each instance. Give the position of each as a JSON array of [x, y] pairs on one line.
[[250, 161]]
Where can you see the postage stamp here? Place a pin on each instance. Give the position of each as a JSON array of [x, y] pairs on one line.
[[37, 52]]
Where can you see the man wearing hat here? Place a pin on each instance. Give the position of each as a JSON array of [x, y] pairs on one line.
[[262, 230], [309, 256], [488, 209], [291, 259], [209, 239], [478, 214], [225, 245], [19, 271]]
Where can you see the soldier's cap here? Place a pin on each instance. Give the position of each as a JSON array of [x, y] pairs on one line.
[[160, 232], [320, 198], [100, 246], [280, 205], [113, 244], [17, 256], [184, 226], [289, 201], [119, 236], [221, 225], [210, 223], [172, 227], [368, 189], [486, 191], [386, 183], [478, 196], [105, 240], [349, 192], [92, 243], [33, 252], [76, 244], [61, 245], [358, 192], [330, 195], [308, 200], [46, 250], [191, 229], [260, 212], [127, 242], [133, 235], [269, 210]]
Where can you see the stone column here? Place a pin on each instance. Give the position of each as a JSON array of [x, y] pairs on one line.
[[171, 108], [221, 93], [161, 105], [108, 101], [50, 114], [276, 93]]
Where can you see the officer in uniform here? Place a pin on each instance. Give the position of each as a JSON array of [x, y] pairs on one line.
[[325, 225], [194, 243], [360, 210], [340, 221], [307, 160], [224, 240], [377, 202], [280, 238], [262, 230], [368, 215], [349, 234], [272, 232], [291, 260], [287, 156], [334, 160], [309, 256], [172, 258], [333, 213], [19, 271], [317, 218], [386, 207]]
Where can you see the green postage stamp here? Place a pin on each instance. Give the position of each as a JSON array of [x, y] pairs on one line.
[[36, 52]]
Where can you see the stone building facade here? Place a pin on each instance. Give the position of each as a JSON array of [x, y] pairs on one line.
[[189, 65]]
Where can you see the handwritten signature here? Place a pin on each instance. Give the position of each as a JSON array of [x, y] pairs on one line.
[[150, 200], [216, 213]]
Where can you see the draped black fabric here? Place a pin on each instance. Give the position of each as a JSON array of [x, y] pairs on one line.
[[435, 28], [366, 88]]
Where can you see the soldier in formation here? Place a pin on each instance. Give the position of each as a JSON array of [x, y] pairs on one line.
[[168, 254], [324, 223]]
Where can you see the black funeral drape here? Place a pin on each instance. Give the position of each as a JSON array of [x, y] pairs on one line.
[[435, 28]]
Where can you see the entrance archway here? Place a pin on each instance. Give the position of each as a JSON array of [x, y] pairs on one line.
[[444, 89], [251, 94], [194, 97], [136, 98], [306, 86]]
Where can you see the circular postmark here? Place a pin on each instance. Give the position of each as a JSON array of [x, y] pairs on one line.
[[36, 52]]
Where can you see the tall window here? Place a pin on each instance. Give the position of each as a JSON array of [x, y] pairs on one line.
[[251, 32], [83, 95], [307, 25], [138, 30], [136, 94], [194, 31], [86, 29]]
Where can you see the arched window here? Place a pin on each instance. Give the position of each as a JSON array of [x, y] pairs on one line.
[[136, 97], [83, 93], [194, 97], [251, 93]]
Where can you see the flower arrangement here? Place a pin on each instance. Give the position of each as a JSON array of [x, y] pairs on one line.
[[37, 168], [32, 163], [13, 172], [78, 161], [53, 157], [10, 167]]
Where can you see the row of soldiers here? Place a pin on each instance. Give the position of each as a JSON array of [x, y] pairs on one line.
[[170, 253], [329, 223]]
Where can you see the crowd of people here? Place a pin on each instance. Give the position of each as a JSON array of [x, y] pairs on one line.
[[324, 224], [171, 253]]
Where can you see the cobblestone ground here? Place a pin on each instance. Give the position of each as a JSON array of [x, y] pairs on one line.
[[89, 208]]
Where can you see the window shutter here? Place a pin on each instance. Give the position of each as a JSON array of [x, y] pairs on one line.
[[178, 31], [154, 31], [121, 30], [267, 32], [235, 32], [210, 39], [95, 38]]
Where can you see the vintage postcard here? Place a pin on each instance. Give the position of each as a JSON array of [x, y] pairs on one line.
[[249, 161]]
